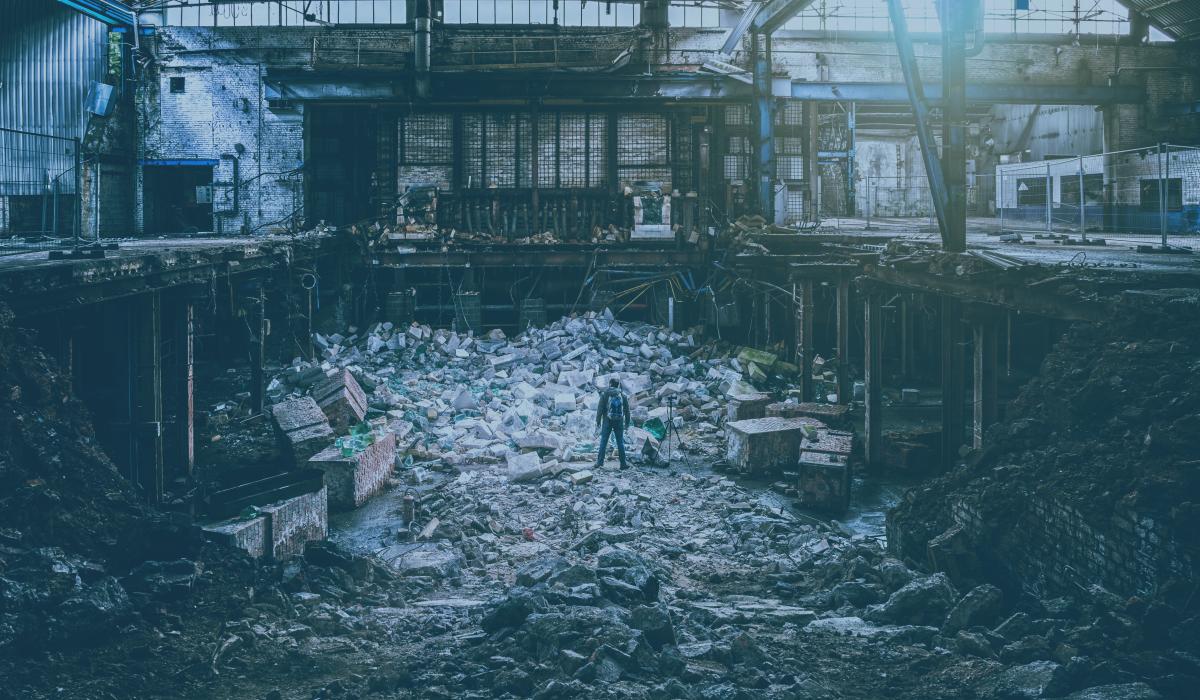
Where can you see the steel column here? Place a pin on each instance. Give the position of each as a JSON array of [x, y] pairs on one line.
[[804, 339], [952, 380], [984, 405], [843, 341], [873, 378], [764, 170]]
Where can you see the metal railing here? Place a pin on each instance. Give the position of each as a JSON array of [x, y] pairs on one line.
[[40, 190]]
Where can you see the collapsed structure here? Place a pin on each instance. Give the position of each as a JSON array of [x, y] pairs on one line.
[[306, 308]]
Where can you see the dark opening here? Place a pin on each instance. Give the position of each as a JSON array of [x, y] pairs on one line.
[[40, 215], [341, 159], [1174, 194], [178, 199], [1093, 189], [177, 85]]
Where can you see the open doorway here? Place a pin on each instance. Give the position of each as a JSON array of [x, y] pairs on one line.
[[178, 198]]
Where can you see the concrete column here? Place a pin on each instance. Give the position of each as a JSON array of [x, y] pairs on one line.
[[984, 370], [765, 301], [146, 391], [804, 339], [952, 370], [189, 368], [873, 378], [843, 341]]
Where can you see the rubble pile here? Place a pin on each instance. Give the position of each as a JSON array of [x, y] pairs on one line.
[[467, 400]]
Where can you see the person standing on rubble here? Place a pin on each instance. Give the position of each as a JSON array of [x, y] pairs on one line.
[[612, 418]]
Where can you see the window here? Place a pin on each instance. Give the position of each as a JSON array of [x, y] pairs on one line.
[[1174, 194], [177, 85], [1093, 189], [1031, 191]]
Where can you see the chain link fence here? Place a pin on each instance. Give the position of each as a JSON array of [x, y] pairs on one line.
[[1140, 193], [40, 184]]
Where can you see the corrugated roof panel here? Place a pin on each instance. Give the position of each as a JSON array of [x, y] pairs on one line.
[[1176, 18]]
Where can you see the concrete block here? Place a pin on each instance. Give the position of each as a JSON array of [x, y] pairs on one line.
[[526, 466], [342, 400], [352, 480], [763, 444], [303, 426], [747, 406], [581, 477], [829, 442], [246, 534], [294, 521], [833, 415], [823, 482]]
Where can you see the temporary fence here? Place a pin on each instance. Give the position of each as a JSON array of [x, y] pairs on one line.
[[1141, 192], [40, 185]]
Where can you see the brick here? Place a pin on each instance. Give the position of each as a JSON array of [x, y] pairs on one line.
[[354, 479], [833, 415], [249, 534], [294, 521], [342, 400]]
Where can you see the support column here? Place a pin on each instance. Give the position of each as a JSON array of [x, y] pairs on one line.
[[812, 177], [984, 405], [873, 378], [189, 362], [906, 341], [147, 396], [956, 18], [256, 319], [804, 339], [764, 122], [843, 341], [765, 301], [953, 389]]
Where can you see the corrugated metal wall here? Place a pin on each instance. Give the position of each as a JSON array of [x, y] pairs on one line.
[[49, 58]]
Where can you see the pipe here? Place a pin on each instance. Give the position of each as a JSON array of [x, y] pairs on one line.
[[422, 53]]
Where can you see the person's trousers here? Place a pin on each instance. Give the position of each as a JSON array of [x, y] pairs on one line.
[[618, 432]]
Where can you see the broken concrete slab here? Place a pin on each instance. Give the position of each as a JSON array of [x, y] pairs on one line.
[[747, 406], [435, 559]]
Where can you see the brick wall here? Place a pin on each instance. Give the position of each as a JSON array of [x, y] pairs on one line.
[[1056, 549]]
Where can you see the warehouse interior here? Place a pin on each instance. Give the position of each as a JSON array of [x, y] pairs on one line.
[[321, 320]]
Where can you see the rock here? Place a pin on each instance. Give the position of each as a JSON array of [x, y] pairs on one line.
[[974, 644], [856, 593], [980, 606], [655, 623], [512, 611], [540, 570], [1040, 679], [924, 601], [164, 580], [857, 627], [437, 559], [526, 466], [1120, 691], [94, 612]]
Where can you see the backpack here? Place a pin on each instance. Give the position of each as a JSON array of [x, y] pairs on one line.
[[616, 407]]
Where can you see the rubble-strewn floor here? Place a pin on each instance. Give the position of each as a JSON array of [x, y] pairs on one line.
[[548, 580]]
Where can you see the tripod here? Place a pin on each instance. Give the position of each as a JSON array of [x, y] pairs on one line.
[[672, 429]]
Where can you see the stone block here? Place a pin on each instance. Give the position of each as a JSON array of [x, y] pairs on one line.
[[823, 482], [763, 444], [526, 466], [747, 406], [352, 480], [303, 426], [342, 400], [833, 442], [833, 415]]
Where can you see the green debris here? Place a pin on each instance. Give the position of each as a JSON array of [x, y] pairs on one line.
[[655, 427], [764, 360], [755, 373]]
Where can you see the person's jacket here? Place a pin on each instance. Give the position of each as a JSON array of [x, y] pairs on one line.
[[602, 407]]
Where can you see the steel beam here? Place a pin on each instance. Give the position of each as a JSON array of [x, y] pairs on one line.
[[776, 13], [112, 13], [916, 97], [734, 37], [979, 93]]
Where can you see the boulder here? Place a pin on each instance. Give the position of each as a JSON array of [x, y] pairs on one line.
[[655, 623], [1039, 679], [1120, 691], [980, 606], [924, 601]]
